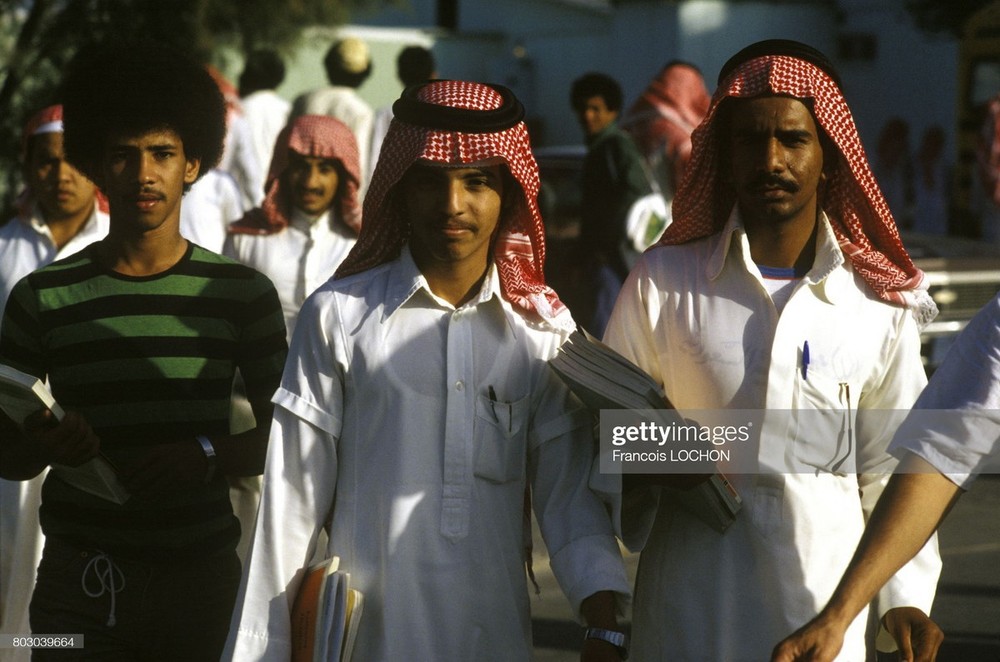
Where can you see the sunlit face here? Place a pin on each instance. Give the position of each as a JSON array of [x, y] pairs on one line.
[[453, 212], [595, 116], [775, 159], [61, 190], [312, 182], [144, 179]]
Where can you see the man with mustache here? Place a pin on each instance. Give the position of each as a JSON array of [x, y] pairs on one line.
[[781, 285], [417, 406], [310, 218], [59, 212], [140, 336]]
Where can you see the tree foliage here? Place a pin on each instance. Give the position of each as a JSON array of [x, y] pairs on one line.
[[39, 37]]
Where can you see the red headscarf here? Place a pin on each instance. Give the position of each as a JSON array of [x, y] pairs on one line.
[[663, 117], [519, 247], [858, 213], [317, 136], [46, 120]]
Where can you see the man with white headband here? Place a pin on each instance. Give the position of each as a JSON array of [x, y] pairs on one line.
[[59, 212], [781, 285], [416, 408]]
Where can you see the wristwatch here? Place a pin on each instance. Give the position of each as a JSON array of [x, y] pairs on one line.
[[617, 639], [209, 449]]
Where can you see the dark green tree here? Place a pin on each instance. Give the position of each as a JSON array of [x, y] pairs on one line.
[[39, 37]]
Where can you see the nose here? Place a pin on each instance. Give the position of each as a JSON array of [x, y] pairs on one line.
[[451, 195], [64, 171], [312, 177], [774, 157], [144, 168]]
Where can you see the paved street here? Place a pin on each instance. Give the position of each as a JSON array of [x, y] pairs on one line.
[[967, 606]]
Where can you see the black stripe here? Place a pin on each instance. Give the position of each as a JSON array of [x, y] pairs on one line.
[[134, 519], [152, 304], [140, 390], [149, 434], [143, 347]]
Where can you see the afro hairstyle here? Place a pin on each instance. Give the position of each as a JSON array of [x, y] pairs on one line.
[[595, 84], [131, 89]]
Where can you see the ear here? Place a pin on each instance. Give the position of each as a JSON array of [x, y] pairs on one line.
[[192, 169]]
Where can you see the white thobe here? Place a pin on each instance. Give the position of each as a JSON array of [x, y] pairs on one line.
[[412, 428], [698, 319], [213, 202], [298, 259], [26, 245], [963, 440]]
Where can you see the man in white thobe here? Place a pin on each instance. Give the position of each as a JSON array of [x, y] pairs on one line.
[[418, 406]]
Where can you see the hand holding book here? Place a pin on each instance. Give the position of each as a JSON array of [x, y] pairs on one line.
[[69, 441], [51, 437]]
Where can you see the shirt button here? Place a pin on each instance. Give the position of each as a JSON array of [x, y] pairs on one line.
[[459, 385]]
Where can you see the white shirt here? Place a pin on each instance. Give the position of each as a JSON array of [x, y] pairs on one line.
[[265, 115], [26, 245], [213, 202], [412, 428], [955, 423], [298, 259], [698, 319]]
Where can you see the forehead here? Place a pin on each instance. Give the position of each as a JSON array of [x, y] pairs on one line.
[[297, 158], [150, 138], [596, 101], [444, 171], [771, 111], [45, 144]]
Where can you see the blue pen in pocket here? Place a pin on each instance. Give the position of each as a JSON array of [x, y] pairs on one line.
[[805, 360]]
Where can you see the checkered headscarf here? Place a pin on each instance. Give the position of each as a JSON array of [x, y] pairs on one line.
[[317, 136], [519, 248], [858, 212]]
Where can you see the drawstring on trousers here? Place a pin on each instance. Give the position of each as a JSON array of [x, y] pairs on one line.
[[110, 578]]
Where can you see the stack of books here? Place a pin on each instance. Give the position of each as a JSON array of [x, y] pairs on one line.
[[325, 614], [604, 379]]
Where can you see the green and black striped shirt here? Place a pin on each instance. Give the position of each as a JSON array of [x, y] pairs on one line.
[[146, 360]]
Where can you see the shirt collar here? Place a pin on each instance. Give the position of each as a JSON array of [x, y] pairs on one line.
[[405, 281], [829, 256], [308, 224]]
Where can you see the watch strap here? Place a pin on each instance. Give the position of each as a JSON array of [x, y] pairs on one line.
[[210, 456], [617, 639]]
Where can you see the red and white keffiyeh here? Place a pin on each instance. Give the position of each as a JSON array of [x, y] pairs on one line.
[[858, 212], [46, 120], [519, 248], [317, 136], [666, 113]]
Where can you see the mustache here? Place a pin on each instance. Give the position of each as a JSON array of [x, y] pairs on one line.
[[146, 192], [772, 181]]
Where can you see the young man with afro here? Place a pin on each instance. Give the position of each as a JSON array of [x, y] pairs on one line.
[[140, 336]]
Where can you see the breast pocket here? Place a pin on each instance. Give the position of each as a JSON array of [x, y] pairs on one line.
[[825, 415], [500, 435]]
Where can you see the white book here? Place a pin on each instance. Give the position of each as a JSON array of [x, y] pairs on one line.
[[21, 395]]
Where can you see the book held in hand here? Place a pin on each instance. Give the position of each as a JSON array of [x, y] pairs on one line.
[[325, 614], [604, 379], [21, 395]]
